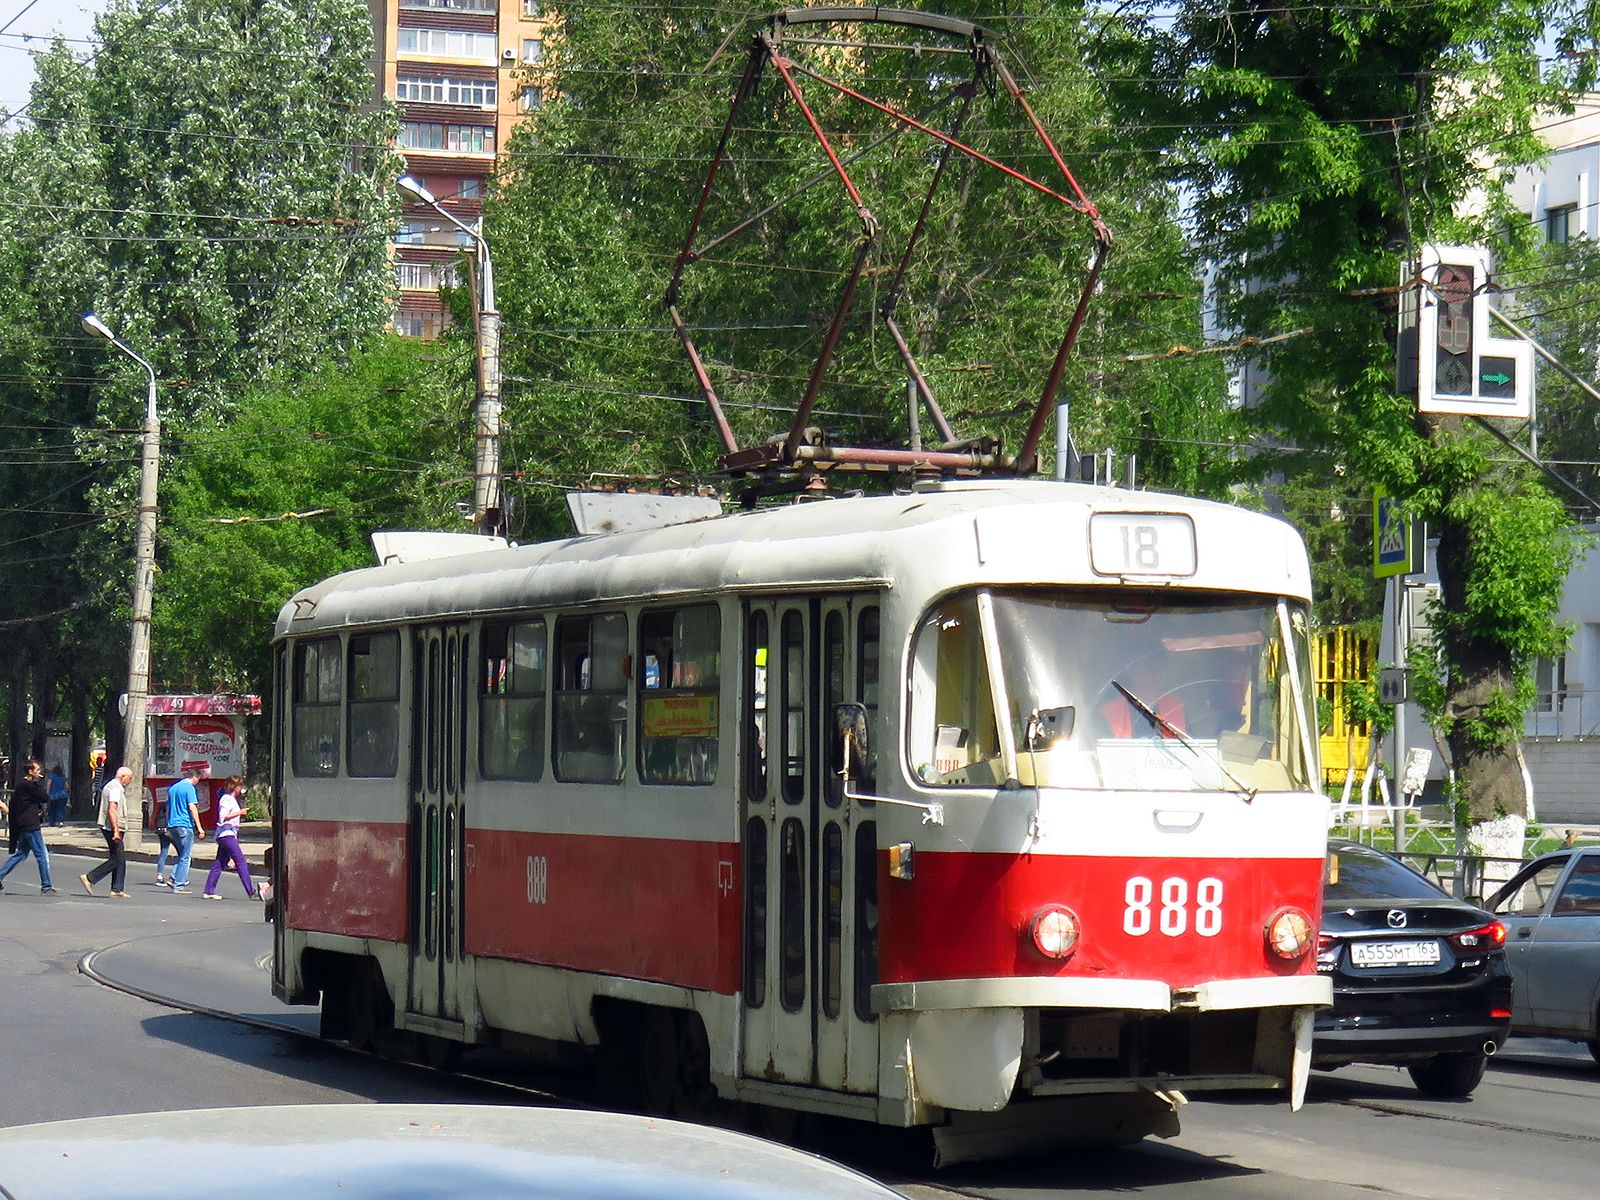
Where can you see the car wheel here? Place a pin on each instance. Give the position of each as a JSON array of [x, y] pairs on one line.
[[1450, 1076]]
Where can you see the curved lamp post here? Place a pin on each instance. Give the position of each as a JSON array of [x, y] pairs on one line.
[[144, 558], [486, 459]]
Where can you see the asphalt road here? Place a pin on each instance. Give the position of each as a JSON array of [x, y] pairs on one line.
[[71, 1046]]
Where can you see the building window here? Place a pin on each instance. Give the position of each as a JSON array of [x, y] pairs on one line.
[[317, 694], [412, 233], [470, 189], [679, 695], [533, 50], [531, 8], [591, 698], [444, 89], [1549, 684], [532, 99], [511, 707], [1561, 224], [374, 749], [426, 277], [424, 325], [449, 43], [437, 135]]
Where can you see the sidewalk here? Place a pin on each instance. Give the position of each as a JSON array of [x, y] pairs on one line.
[[83, 837]]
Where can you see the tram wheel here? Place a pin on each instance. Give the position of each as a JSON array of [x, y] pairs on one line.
[[366, 999], [656, 1055]]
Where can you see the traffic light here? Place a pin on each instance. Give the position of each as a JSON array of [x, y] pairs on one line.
[[1459, 366]]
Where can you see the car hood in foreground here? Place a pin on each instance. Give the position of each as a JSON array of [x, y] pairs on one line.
[[406, 1152]]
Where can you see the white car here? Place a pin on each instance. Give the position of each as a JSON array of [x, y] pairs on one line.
[[441, 1151]]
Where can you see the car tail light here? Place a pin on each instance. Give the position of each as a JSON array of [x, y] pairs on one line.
[[1327, 949], [1487, 937], [1500, 1014], [1288, 933], [1055, 931]]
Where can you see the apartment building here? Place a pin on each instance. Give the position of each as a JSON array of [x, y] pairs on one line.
[[462, 72]]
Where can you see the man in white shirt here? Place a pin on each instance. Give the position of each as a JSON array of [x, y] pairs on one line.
[[112, 802]]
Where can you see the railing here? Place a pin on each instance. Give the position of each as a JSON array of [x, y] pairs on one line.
[[1564, 715], [1470, 877], [477, 6]]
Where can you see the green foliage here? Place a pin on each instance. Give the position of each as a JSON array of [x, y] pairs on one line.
[[286, 493], [213, 182]]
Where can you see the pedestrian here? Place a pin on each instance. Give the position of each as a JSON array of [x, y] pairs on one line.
[[113, 803], [164, 845], [58, 796], [30, 804], [183, 824], [229, 813]]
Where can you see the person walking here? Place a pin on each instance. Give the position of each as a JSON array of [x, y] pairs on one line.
[[183, 824], [229, 813], [58, 796], [113, 800], [30, 804]]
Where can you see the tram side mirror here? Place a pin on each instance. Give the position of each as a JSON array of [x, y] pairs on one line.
[[853, 753], [1051, 725]]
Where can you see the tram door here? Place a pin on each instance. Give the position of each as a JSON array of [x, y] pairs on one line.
[[441, 668], [810, 950]]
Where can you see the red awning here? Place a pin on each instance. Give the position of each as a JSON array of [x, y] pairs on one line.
[[216, 704]]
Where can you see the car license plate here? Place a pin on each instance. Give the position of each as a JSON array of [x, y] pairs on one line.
[[1394, 954]]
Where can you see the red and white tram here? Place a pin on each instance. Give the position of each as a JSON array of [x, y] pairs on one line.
[[989, 806]]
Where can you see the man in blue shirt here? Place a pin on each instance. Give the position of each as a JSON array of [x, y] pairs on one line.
[[183, 823]]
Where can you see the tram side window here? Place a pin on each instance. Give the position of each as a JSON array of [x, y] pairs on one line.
[[591, 702], [679, 693], [317, 696], [374, 733], [511, 707], [954, 739]]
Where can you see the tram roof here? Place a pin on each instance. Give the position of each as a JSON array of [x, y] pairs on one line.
[[938, 536]]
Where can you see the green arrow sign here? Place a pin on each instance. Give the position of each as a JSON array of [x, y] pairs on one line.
[[1501, 379]]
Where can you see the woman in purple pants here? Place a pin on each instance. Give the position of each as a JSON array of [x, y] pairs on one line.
[[229, 814]]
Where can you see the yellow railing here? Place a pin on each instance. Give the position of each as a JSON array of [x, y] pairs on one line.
[[1342, 656]]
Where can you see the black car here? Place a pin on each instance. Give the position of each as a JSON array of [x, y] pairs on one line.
[[1419, 979]]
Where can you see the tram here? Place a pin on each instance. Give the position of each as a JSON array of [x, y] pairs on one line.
[[989, 806]]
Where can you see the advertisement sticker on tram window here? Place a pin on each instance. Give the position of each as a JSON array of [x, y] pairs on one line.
[[1141, 543], [680, 716]]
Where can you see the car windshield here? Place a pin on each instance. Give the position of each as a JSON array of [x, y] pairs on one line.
[[1360, 873], [1095, 688]]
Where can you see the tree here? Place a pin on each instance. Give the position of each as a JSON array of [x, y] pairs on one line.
[[287, 491], [600, 205], [214, 182], [1322, 145]]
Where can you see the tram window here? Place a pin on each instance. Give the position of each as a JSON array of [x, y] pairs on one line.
[[792, 915], [793, 706], [374, 733], [756, 651], [867, 646], [865, 933], [955, 741], [317, 694], [591, 701], [832, 918], [511, 706], [755, 913], [679, 692]]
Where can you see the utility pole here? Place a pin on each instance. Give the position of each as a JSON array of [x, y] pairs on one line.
[[144, 572], [487, 516]]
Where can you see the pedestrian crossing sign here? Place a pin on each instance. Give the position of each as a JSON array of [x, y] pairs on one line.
[[1391, 542]]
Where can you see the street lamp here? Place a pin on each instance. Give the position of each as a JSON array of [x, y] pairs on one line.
[[486, 459], [144, 562]]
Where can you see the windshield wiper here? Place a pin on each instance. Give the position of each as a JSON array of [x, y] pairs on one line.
[[1167, 728]]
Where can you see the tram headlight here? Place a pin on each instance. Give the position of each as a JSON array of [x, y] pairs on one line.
[[1289, 933], [1055, 931]]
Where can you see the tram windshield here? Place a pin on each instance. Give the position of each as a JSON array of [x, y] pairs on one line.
[[1087, 688]]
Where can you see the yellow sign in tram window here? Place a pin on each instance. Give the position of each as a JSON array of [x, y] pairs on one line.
[[680, 716]]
